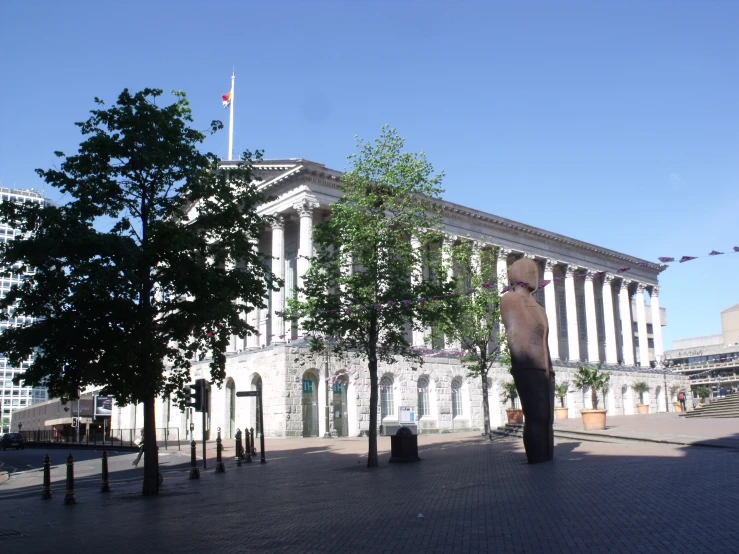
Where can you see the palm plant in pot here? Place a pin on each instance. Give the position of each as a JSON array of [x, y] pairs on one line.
[[593, 378], [703, 392], [510, 393], [560, 391], [640, 387]]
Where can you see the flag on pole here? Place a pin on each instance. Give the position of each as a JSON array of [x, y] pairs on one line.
[[227, 99]]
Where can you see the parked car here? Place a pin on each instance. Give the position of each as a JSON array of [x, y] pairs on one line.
[[12, 439]]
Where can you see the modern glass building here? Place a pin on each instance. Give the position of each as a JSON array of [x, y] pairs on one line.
[[13, 397]]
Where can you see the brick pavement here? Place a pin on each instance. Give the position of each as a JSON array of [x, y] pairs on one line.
[[314, 495]]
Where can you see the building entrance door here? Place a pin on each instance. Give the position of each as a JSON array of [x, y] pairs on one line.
[[310, 405], [341, 419]]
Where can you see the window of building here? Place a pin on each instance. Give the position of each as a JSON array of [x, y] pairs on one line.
[[581, 322], [457, 398], [561, 314], [600, 320], [387, 406], [423, 397]]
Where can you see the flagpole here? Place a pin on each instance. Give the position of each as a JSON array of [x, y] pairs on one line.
[[231, 121]]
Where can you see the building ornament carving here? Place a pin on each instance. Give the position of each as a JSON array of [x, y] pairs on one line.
[[655, 291], [608, 279], [570, 271], [305, 207], [589, 274], [625, 284], [278, 222], [549, 265], [641, 287]]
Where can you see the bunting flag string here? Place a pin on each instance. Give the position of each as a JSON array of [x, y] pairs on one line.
[[669, 259]]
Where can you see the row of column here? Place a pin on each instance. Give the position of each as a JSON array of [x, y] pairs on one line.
[[305, 210]]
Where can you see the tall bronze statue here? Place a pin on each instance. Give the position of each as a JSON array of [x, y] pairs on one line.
[[527, 329]]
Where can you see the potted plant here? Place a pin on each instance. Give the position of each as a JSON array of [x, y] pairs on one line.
[[592, 377], [560, 391], [641, 387], [703, 392], [515, 415], [674, 390]]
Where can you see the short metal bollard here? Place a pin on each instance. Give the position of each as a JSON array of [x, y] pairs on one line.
[[194, 471], [106, 484], [253, 444], [239, 455], [69, 496], [47, 477], [220, 467], [248, 447]]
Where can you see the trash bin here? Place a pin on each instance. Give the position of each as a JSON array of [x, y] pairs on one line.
[[404, 447]]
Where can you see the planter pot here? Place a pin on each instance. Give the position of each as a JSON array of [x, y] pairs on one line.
[[561, 413], [593, 420], [515, 416], [678, 408], [642, 409]]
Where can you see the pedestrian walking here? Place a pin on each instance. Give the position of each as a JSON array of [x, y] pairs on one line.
[[681, 399]]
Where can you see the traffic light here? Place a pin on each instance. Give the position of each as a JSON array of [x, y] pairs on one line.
[[198, 395], [75, 422]]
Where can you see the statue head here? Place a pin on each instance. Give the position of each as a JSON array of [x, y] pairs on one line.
[[526, 271]]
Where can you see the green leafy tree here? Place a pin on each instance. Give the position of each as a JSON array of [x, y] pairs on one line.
[[129, 309], [592, 377], [362, 289], [641, 387], [473, 322]]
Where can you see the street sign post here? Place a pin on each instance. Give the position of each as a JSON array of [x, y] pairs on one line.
[[258, 393]]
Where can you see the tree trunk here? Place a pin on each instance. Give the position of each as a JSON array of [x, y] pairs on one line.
[[151, 456], [485, 406], [372, 460], [594, 397]]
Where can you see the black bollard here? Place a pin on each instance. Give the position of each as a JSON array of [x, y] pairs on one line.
[[69, 496], [238, 448], [253, 444], [247, 447], [194, 471], [47, 477], [220, 468], [106, 485]]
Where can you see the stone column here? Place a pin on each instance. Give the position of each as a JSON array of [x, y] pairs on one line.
[[447, 245], [611, 345], [252, 341], [657, 325], [501, 273], [590, 320], [305, 245], [573, 333], [278, 269], [627, 332], [550, 298], [418, 334], [641, 325]]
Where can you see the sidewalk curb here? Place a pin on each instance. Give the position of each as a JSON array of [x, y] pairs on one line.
[[703, 443]]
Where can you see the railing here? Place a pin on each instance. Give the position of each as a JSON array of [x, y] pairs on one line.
[[111, 437], [705, 365]]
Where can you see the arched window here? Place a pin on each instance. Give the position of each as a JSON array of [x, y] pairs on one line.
[[423, 397], [387, 407], [456, 397]]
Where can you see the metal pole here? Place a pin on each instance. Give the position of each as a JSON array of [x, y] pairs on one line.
[[194, 471], [220, 467], [47, 477], [205, 454], [106, 485], [238, 448], [248, 444], [261, 426], [69, 496], [78, 417]]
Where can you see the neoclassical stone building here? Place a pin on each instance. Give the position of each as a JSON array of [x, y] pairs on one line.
[[597, 313]]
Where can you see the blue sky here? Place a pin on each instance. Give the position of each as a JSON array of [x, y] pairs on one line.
[[616, 123]]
